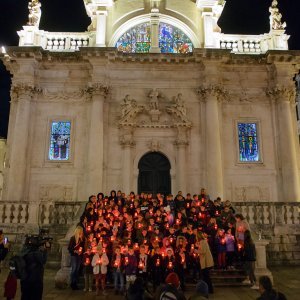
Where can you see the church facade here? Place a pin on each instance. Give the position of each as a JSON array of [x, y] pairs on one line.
[[154, 98]]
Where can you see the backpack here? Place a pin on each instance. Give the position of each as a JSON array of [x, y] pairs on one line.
[[17, 264]]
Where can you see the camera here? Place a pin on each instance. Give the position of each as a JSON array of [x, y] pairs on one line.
[[34, 241]]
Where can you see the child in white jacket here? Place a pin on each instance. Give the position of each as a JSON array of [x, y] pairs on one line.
[[99, 263]]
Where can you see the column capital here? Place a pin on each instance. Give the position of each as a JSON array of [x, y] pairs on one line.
[[213, 91], [23, 91], [97, 88], [282, 94]]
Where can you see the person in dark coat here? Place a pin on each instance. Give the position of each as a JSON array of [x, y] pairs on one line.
[[10, 286], [266, 290], [35, 257]]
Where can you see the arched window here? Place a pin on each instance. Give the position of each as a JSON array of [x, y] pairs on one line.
[[138, 39]]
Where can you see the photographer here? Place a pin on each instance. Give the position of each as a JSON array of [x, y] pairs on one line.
[[35, 255], [3, 247]]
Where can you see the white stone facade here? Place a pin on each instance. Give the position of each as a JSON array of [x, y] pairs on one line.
[[122, 106]]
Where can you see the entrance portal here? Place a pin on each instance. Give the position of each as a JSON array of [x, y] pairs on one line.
[[154, 174]]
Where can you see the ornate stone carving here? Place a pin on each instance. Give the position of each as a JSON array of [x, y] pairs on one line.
[[178, 109], [35, 13], [20, 90], [216, 91], [63, 95], [154, 145], [141, 116], [275, 17], [282, 94], [129, 111], [97, 89]]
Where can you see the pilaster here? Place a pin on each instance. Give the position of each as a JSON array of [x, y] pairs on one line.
[[212, 96], [284, 98], [97, 94]]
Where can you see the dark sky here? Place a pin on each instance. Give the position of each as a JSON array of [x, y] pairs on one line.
[[239, 16]]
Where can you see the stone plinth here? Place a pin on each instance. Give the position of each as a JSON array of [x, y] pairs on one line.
[[261, 259]]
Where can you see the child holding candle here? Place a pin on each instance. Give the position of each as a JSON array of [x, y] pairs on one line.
[[100, 262], [221, 248], [117, 264], [87, 270], [130, 266], [169, 262], [230, 248]]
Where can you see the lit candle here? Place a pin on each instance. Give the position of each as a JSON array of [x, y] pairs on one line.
[[150, 228], [87, 261], [112, 238], [80, 250], [171, 240], [177, 221], [156, 238], [126, 260], [170, 265], [141, 265], [216, 226], [199, 214], [192, 247], [239, 246], [182, 260], [129, 241], [223, 241], [157, 262], [187, 205], [163, 255], [145, 241]]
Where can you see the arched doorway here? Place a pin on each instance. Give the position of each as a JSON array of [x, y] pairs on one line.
[[154, 174]]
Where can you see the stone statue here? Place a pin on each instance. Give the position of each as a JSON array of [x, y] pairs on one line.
[[179, 104], [128, 105], [275, 17], [153, 99], [297, 79], [34, 13]]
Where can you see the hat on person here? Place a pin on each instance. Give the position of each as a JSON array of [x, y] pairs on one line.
[[173, 278], [202, 288]]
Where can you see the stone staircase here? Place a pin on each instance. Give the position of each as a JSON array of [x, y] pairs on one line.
[[228, 277]]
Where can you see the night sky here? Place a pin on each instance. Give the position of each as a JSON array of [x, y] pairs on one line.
[[239, 17]]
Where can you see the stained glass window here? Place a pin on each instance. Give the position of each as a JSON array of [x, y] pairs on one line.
[[248, 142], [135, 40], [138, 40], [173, 40], [60, 141]]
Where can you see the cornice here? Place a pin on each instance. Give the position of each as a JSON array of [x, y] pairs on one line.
[[282, 94]]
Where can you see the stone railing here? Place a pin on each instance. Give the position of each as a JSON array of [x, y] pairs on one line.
[[245, 44], [71, 41], [49, 213], [269, 213]]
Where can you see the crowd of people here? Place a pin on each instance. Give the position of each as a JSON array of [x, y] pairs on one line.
[[123, 237]]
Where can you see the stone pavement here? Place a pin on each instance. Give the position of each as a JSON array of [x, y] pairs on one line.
[[286, 279]]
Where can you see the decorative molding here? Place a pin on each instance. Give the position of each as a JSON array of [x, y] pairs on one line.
[[252, 193], [217, 91], [97, 88], [63, 95], [54, 192]]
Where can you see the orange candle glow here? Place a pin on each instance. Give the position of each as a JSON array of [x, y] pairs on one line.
[[158, 262]]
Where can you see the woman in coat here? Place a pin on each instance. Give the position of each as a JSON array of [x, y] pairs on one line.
[[206, 259]]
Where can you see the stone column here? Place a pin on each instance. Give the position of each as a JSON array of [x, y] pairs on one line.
[[101, 29], [181, 164], [97, 94], [154, 24], [18, 142], [214, 167], [285, 98], [127, 143]]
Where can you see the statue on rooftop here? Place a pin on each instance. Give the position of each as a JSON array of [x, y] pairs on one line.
[[35, 13], [275, 17]]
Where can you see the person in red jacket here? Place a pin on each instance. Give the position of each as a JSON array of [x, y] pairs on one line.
[[10, 286]]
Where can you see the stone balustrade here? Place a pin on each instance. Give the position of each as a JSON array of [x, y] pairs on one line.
[[49, 213], [70, 41], [269, 213], [246, 44]]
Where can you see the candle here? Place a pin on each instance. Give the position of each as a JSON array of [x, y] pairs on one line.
[[99, 261], [216, 226], [129, 241], [171, 240], [145, 241], [170, 265], [182, 260], [163, 255], [157, 262], [217, 212], [156, 238], [80, 250], [177, 221], [239, 246], [126, 260], [87, 261], [223, 241], [139, 225], [192, 247], [167, 226], [112, 238], [199, 214], [187, 205], [88, 228], [141, 265]]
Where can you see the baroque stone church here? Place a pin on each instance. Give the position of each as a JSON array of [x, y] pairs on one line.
[[152, 97]]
